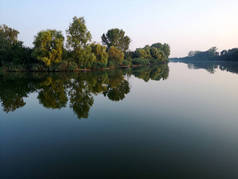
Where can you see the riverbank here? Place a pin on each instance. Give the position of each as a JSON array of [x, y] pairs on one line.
[[68, 68], [21, 69]]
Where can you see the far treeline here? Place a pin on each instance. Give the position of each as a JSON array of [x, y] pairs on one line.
[[52, 53], [211, 55]]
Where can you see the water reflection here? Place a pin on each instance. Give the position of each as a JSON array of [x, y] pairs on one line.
[[211, 66], [55, 91]]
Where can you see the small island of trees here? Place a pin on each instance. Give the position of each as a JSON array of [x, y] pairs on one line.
[[53, 52], [211, 54]]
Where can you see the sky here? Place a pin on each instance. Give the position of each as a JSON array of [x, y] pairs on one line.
[[184, 24]]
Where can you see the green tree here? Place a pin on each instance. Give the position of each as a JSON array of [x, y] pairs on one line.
[[116, 38], [78, 35], [163, 47], [48, 47], [100, 53], [116, 56], [84, 57], [8, 35], [8, 41], [141, 53]]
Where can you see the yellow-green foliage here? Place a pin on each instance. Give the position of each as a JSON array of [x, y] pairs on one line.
[[49, 47], [142, 53], [115, 55], [100, 53], [84, 57]]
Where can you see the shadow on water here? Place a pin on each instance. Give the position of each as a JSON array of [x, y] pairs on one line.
[[56, 90], [211, 66]]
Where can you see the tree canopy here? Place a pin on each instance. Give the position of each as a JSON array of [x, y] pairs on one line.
[[78, 53], [78, 35], [115, 55], [49, 47], [117, 38], [100, 53]]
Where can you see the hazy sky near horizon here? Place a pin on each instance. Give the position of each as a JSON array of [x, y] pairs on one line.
[[184, 24]]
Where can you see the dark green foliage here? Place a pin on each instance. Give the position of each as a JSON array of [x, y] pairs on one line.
[[38, 68], [53, 94], [230, 55], [127, 62], [116, 38], [118, 92], [156, 53], [78, 89], [157, 72], [142, 53], [211, 55], [12, 51], [72, 66], [163, 47], [140, 61]]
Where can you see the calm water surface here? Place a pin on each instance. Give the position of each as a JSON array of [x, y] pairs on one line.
[[175, 121]]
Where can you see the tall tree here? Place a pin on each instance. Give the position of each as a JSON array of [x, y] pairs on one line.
[[49, 47], [8, 35], [116, 38], [8, 40], [78, 35]]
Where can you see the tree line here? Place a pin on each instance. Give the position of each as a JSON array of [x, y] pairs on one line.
[[55, 91], [53, 52], [211, 54]]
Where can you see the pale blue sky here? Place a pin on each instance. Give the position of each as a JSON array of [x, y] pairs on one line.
[[184, 24]]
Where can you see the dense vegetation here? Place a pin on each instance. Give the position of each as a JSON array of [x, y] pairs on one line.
[[51, 53], [211, 55], [55, 91]]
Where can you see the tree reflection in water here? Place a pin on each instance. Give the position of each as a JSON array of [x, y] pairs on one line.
[[211, 66], [56, 90]]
